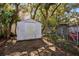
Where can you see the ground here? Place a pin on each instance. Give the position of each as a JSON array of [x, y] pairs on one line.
[[39, 47]]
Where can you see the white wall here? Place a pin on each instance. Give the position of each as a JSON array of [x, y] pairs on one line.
[[74, 29]]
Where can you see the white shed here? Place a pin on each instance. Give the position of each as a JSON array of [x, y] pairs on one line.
[[28, 29]]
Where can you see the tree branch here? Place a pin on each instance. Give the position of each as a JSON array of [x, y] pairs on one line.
[[44, 18], [43, 13], [36, 11], [55, 9]]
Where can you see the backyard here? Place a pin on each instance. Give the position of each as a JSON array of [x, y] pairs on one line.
[[59, 30]]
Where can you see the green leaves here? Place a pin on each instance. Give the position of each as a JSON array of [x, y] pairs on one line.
[[6, 17], [52, 21], [47, 5]]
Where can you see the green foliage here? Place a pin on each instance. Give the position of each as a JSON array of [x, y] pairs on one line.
[[52, 21], [6, 19]]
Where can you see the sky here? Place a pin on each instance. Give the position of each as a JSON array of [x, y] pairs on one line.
[[76, 9]]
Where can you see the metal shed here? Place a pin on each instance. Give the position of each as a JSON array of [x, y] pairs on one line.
[[28, 29], [62, 30]]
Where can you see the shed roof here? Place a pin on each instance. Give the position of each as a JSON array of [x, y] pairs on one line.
[[30, 21]]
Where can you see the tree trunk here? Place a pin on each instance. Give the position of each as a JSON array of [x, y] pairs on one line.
[[46, 23], [14, 20], [15, 15]]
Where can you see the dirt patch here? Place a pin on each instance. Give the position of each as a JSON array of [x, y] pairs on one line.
[[39, 47], [29, 47]]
